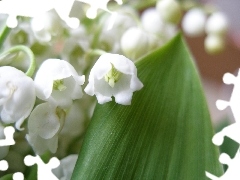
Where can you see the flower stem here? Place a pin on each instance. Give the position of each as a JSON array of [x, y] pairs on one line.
[[30, 54], [97, 52], [3, 34]]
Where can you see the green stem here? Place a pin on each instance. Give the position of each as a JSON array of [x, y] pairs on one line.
[[97, 52], [30, 54], [3, 34]]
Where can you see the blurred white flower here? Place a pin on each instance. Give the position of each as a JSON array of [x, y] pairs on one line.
[[214, 43], [17, 95], [135, 42], [193, 22], [57, 81], [113, 75], [114, 25], [75, 46], [46, 26], [217, 24], [152, 22], [44, 125], [170, 10], [74, 124], [65, 170]]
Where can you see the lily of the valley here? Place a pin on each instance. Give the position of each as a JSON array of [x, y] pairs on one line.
[[44, 125], [58, 82], [113, 75], [17, 95]]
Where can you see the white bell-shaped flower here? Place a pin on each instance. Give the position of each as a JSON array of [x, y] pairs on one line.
[[214, 44], [170, 10], [217, 24], [114, 25], [113, 75], [44, 125], [153, 22], [193, 22], [57, 81], [46, 26], [17, 95], [135, 42]]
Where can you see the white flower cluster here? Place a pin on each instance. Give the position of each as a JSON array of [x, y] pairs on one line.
[[52, 106], [56, 109], [157, 25], [196, 23], [58, 83]]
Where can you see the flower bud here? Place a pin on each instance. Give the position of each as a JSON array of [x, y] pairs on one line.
[[217, 23], [152, 21], [214, 44], [134, 42], [170, 10], [193, 23]]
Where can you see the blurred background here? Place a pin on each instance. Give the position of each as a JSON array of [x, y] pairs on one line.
[[213, 67]]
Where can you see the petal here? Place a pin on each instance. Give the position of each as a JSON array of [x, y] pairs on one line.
[[123, 64], [17, 95], [44, 85], [21, 103], [74, 124], [124, 97], [122, 84], [74, 87], [79, 79], [135, 84], [89, 89], [44, 121], [103, 99], [40, 145], [102, 87], [64, 98], [101, 67]]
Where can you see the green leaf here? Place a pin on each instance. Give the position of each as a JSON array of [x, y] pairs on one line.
[[165, 134], [7, 177]]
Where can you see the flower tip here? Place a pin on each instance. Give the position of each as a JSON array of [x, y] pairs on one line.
[[18, 125]]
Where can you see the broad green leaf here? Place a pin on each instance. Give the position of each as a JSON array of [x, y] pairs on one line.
[[165, 134]]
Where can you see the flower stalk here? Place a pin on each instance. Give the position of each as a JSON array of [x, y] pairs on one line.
[[3, 34], [30, 54]]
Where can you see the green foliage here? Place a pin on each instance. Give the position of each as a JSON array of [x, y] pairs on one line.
[[166, 132]]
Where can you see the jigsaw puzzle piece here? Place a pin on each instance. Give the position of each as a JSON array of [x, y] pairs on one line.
[[232, 131], [232, 172], [9, 140], [3, 165], [44, 170], [27, 8]]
